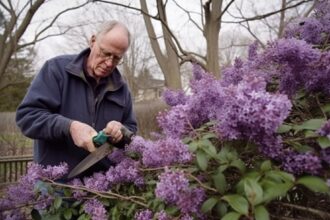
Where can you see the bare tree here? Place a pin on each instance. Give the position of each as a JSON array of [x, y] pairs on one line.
[[272, 22], [16, 18], [168, 47]]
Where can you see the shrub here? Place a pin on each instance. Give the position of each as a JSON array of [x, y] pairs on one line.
[[251, 145]]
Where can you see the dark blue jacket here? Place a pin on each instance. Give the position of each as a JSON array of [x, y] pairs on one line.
[[60, 94]]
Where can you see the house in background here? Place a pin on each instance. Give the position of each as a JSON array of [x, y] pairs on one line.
[[149, 89], [145, 87]]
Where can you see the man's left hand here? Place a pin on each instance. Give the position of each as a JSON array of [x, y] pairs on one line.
[[113, 129]]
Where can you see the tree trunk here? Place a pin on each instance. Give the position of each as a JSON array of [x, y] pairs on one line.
[[211, 32], [167, 60]]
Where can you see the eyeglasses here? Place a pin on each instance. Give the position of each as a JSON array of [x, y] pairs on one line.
[[109, 56]]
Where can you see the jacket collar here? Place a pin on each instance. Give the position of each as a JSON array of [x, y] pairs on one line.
[[75, 67]]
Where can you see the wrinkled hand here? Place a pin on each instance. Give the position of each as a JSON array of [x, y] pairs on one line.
[[113, 129], [82, 135]]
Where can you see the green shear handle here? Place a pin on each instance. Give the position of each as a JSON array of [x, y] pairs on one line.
[[102, 137]]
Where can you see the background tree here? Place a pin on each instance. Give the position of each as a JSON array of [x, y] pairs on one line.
[[16, 18], [209, 20]]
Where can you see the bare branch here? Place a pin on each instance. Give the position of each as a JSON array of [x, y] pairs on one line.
[[226, 8], [184, 52], [189, 16], [259, 17], [55, 18]]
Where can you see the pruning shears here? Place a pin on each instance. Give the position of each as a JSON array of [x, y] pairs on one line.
[[103, 142]]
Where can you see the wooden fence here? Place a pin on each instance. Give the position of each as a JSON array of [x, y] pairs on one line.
[[12, 168]]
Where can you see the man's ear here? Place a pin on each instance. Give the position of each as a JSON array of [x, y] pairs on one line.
[[92, 41]]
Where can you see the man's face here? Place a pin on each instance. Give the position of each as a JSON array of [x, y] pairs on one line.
[[107, 51]]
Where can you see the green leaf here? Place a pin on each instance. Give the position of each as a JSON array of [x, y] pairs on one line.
[[324, 142], [186, 140], [239, 164], [261, 213], [131, 209], [193, 146], [208, 147], [266, 165], [202, 160], [273, 190], [67, 214], [57, 202], [309, 133], [312, 124], [223, 167], [220, 182], [67, 192], [49, 216], [222, 155], [172, 210], [326, 108], [280, 176], [209, 135], [209, 204], [284, 128], [35, 214], [253, 191], [231, 216], [314, 183], [238, 203], [221, 208], [83, 217], [115, 212]]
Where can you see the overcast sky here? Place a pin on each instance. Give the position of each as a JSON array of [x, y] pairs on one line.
[[190, 37]]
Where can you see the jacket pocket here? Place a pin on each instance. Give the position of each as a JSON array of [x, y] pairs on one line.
[[111, 109]]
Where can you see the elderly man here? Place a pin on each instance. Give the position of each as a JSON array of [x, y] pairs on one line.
[[74, 96]]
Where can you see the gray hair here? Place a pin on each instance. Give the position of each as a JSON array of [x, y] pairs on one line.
[[109, 25]]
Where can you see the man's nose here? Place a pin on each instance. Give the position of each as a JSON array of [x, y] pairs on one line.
[[109, 62]]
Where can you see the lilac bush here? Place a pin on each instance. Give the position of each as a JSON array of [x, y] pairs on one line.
[[231, 148]]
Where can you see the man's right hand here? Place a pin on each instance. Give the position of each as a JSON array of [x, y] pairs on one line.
[[82, 135]]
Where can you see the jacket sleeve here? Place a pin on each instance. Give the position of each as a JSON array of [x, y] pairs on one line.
[[37, 115], [129, 119]]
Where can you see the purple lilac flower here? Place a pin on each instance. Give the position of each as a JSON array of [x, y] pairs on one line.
[[325, 130], [322, 13], [117, 156], [191, 200], [173, 98], [77, 194], [325, 155], [308, 29], [175, 122], [13, 215], [319, 75], [198, 72], [125, 172], [166, 152], [95, 209], [302, 163], [55, 172], [205, 100], [234, 74], [144, 215], [171, 185], [272, 147], [162, 215], [328, 182], [98, 181], [24, 191], [313, 29], [6, 204], [138, 145], [249, 111], [186, 217], [293, 58]]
